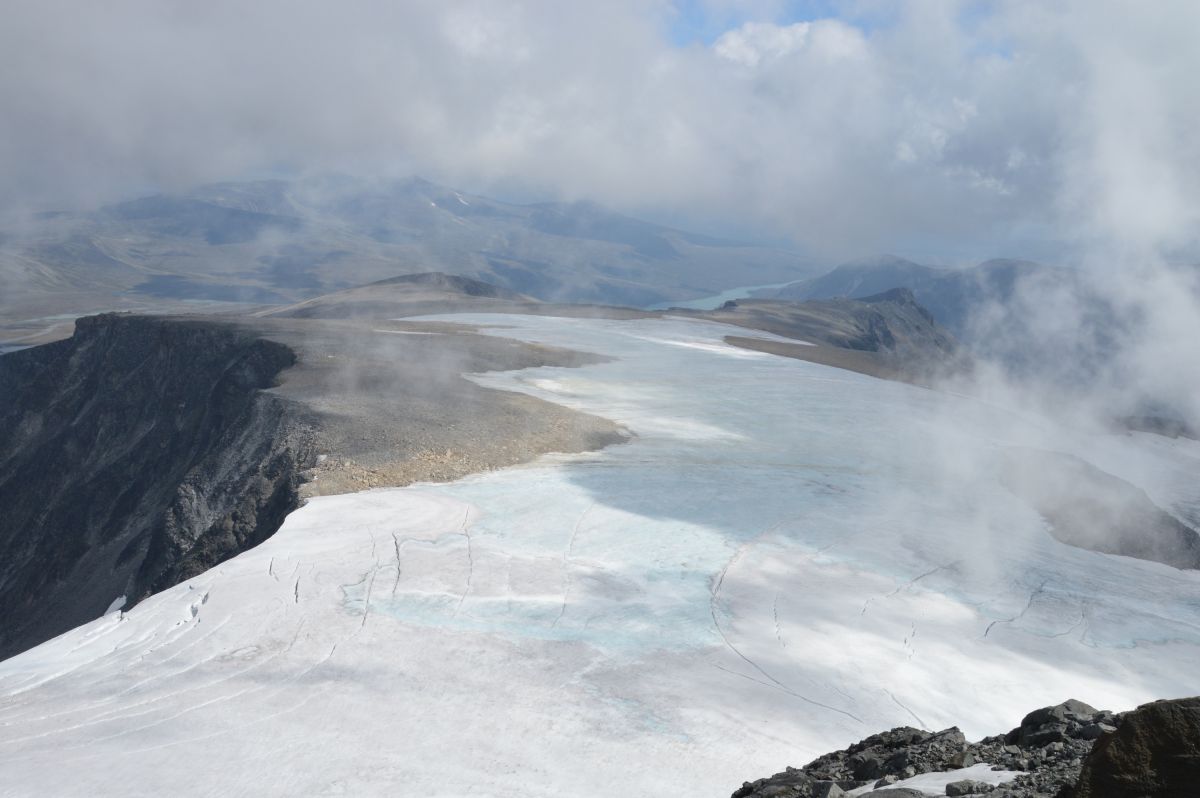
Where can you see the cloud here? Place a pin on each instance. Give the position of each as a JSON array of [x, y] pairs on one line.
[[754, 41], [947, 128]]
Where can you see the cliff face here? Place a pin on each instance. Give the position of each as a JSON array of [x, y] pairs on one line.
[[133, 456]]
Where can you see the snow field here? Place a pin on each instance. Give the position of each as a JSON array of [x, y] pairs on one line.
[[786, 558]]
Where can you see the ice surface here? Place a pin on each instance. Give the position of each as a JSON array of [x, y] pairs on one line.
[[404, 332], [785, 559]]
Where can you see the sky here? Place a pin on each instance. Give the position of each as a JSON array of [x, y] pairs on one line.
[[951, 129]]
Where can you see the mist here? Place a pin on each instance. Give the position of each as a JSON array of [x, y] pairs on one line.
[[944, 131], [953, 130]]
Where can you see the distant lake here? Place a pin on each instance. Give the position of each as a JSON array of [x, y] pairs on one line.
[[717, 300]]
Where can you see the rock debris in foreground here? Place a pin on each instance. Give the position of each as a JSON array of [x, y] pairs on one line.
[[1070, 750]]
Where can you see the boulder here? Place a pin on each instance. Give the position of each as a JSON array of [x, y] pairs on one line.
[[1052, 724], [828, 789], [1154, 753], [866, 765], [789, 783], [963, 759], [968, 787], [1094, 731]]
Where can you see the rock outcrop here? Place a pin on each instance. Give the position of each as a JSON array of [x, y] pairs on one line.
[[1048, 748], [887, 335], [1153, 753], [133, 456], [891, 323]]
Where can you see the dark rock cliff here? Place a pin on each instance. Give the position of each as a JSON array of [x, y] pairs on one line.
[[133, 456]]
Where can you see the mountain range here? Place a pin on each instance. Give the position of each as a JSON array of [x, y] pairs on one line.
[[1041, 322], [957, 298], [277, 241]]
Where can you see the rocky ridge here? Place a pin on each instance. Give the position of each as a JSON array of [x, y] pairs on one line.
[[1154, 749], [888, 335]]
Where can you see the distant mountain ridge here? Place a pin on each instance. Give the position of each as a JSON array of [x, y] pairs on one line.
[[1040, 321], [276, 241], [953, 296], [885, 335], [394, 297], [452, 283]]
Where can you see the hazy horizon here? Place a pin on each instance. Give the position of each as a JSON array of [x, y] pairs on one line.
[[956, 131]]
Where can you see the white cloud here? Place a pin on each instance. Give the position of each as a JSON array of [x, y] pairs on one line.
[[754, 41], [933, 127]]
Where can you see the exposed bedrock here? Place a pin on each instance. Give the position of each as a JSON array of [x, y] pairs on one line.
[[888, 335], [1070, 750], [135, 455]]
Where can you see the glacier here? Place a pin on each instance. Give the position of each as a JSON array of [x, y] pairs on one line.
[[783, 559]]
